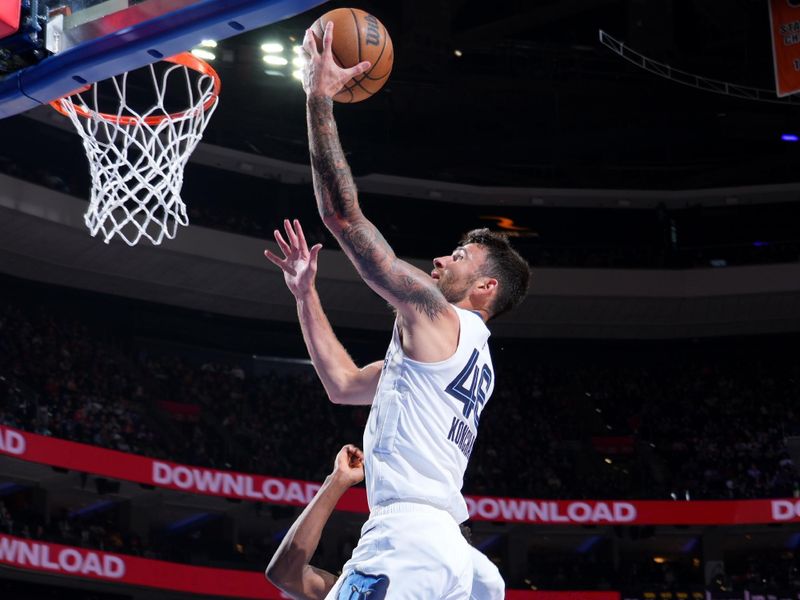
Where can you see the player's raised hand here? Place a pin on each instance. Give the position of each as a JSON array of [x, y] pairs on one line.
[[348, 467], [299, 264], [322, 77]]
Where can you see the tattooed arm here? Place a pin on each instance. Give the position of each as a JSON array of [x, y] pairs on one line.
[[407, 288], [414, 294]]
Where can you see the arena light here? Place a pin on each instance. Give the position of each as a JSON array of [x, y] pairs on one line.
[[208, 44], [297, 50], [458, 53], [298, 74], [204, 54], [299, 62], [277, 61], [659, 560], [608, 461], [789, 137], [272, 47]]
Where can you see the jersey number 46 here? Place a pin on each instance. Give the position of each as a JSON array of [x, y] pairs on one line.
[[470, 387]]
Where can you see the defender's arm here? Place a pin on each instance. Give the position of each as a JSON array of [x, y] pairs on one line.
[[289, 568]]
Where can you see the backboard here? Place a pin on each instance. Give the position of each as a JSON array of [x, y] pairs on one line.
[[49, 48]]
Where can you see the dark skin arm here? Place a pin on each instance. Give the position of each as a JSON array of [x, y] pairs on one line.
[[428, 323], [289, 568]]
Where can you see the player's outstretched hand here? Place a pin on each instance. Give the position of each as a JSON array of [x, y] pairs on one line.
[[299, 264], [321, 75], [348, 467]]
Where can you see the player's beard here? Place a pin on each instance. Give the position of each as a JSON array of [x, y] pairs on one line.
[[454, 291]]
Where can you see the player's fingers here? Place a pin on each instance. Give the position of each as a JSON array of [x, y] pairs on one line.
[[360, 68], [301, 237], [274, 259], [310, 44], [285, 248], [327, 38], [313, 254], [287, 225]]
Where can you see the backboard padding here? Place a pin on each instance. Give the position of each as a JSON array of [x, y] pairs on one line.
[[127, 39]]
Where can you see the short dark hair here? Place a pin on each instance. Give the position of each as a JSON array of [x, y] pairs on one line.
[[505, 264]]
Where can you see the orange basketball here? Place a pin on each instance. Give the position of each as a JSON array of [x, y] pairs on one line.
[[358, 36]]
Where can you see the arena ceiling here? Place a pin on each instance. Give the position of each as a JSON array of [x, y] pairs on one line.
[[534, 99], [522, 93]]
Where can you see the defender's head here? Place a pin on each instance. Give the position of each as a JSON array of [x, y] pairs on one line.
[[484, 273]]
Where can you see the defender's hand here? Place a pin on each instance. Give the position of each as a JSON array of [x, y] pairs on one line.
[[321, 75], [299, 264], [348, 467]]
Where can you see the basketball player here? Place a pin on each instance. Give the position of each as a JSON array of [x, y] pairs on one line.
[[289, 568], [428, 393]]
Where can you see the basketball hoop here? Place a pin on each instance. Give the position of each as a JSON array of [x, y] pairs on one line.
[[137, 157]]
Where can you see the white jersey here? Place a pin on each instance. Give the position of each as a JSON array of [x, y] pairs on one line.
[[424, 421]]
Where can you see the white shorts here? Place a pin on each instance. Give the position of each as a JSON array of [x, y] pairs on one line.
[[407, 551], [487, 583]]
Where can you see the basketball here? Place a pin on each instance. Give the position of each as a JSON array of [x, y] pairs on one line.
[[358, 36]]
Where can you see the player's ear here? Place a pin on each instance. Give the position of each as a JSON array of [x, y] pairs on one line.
[[486, 285]]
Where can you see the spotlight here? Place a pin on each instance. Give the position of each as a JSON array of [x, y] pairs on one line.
[[272, 47], [277, 61]]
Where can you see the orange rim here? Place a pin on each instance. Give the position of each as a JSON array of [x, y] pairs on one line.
[[187, 59]]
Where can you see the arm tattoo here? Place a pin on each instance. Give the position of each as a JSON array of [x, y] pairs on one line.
[[337, 201], [333, 182], [378, 265]]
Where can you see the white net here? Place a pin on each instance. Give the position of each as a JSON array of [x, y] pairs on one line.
[[137, 157]]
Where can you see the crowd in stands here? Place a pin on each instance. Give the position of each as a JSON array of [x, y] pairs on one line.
[[775, 570], [698, 426], [61, 379], [11, 589], [99, 534], [769, 570]]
